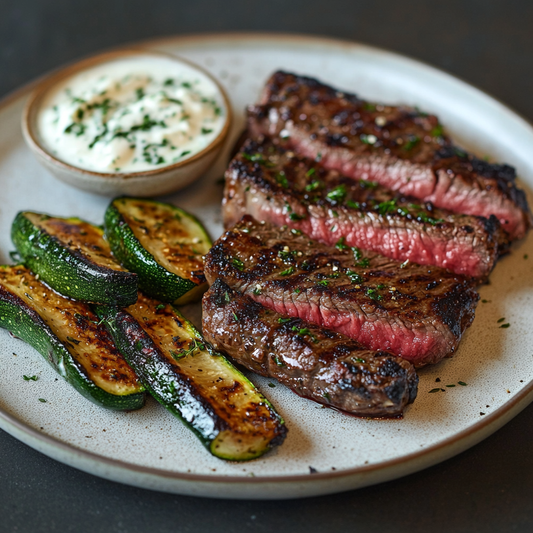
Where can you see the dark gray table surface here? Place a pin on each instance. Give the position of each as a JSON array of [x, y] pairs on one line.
[[488, 488]]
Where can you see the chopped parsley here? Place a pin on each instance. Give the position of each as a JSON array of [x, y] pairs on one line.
[[76, 128], [437, 131], [373, 294], [368, 139], [353, 205], [286, 255], [389, 206], [238, 264], [313, 186], [341, 244], [287, 272], [278, 361], [295, 217], [365, 184], [30, 378], [194, 346], [412, 141], [355, 277], [338, 194], [255, 158], [281, 178]]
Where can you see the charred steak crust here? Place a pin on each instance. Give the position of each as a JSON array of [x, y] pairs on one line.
[[417, 312], [315, 363], [274, 184], [400, 147]]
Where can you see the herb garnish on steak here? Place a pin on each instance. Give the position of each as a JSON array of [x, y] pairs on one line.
[[399, 147], [417, 312], [277, 185], [314, 362]]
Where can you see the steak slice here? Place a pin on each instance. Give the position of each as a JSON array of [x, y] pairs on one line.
[[399, 147], [414, 311], [315, 363], [276, 185]]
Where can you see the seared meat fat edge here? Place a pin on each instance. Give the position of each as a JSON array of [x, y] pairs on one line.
[[274, 184], [400, 147], [314, 362], [416, 312]]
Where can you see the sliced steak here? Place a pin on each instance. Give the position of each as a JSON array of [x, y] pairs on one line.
[[276, 185], [399, 147], [417, 312], [316, 363]]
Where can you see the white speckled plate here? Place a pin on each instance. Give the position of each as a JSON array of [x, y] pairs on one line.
[[150, 448]]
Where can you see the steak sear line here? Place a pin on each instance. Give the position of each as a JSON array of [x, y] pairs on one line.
[[316, 363], [400, 147], [276, 185], [416, 312]]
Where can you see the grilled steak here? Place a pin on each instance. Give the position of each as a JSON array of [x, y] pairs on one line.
[[417, 312], [316, 363], [274, 184], [399, 147]]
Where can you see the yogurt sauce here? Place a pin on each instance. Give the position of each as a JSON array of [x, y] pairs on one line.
[[132, 114]]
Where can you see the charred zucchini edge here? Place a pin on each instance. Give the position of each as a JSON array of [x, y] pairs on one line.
[[154, 279], [165, 386], [25, 323], [69, 273]]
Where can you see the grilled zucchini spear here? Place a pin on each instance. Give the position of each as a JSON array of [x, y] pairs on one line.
[[73, 257], [69, 335], [196, 384], [163, 244]]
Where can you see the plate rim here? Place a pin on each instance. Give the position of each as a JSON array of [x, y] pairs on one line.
[[118, 470]]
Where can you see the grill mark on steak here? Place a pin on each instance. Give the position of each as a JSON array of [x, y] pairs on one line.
[[400, 147], [278, 186], [315, 363], [417, 312]]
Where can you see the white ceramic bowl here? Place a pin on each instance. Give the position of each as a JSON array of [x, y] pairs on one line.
[[163, 180]]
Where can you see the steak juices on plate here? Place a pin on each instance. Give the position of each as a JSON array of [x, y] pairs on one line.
[[408, 225]]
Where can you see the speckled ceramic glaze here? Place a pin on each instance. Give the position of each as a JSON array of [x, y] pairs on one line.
[[149, 447]]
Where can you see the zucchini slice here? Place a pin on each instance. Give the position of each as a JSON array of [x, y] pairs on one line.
[[163, 244], [70, 337], [199, 386], [73, 257]]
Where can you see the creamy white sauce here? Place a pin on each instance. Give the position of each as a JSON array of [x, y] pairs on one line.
[[131, 115]]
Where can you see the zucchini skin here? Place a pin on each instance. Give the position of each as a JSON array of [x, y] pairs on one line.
[[154, 279], [68, 271], [26, 323], [207, 415]]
